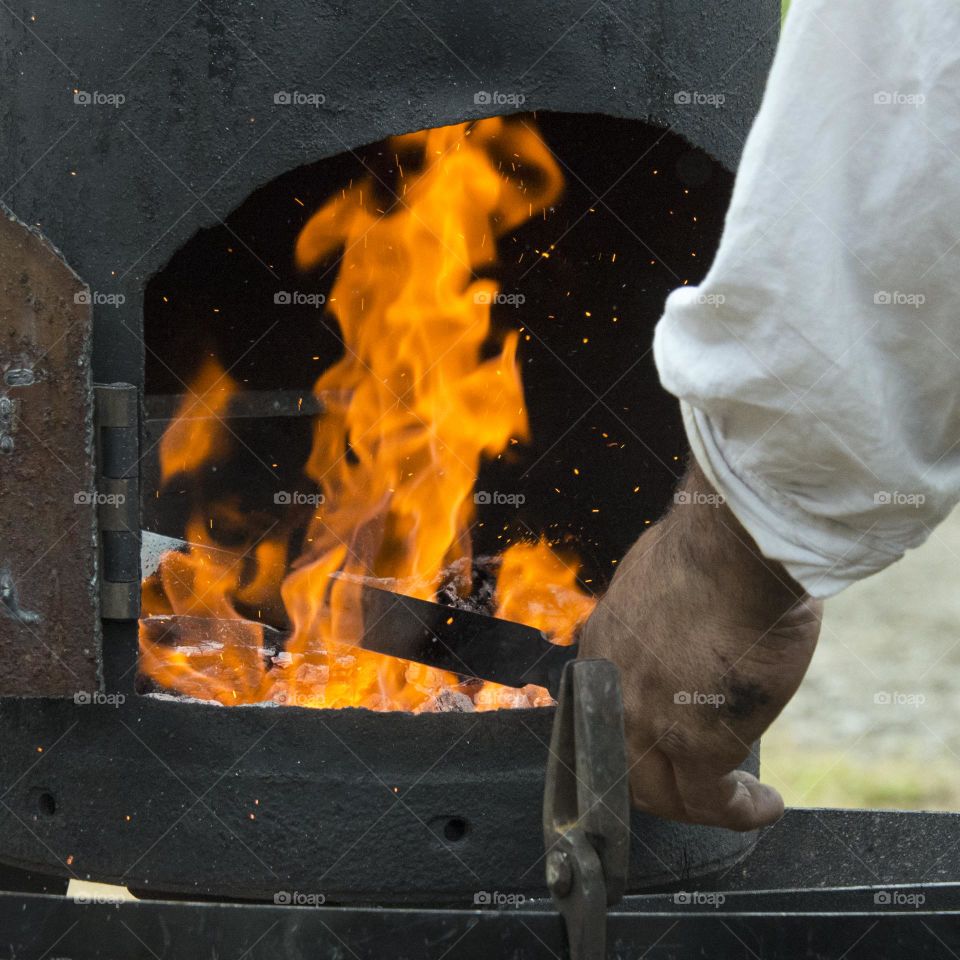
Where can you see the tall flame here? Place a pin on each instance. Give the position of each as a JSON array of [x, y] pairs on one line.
[[419, 396]]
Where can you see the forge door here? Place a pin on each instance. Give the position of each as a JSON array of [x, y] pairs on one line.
[[49, 602]]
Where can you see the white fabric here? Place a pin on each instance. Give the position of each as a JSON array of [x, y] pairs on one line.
[[818, 364]]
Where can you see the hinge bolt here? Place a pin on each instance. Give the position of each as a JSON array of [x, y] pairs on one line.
[[559, 873]]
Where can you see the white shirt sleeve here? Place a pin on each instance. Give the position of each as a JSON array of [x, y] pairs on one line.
[[818, 364]]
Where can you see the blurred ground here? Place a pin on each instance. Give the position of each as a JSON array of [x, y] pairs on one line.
[[875, 724]]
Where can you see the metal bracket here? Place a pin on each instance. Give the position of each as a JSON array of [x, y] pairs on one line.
[[117, 421], [586, 804]]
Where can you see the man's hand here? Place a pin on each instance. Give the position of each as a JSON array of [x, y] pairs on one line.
[[712, 641]]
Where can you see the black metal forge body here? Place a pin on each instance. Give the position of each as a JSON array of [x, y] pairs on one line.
[[821, 884], [129, 127]]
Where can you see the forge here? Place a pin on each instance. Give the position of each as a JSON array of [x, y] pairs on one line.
[[526, 267], [236, 238]]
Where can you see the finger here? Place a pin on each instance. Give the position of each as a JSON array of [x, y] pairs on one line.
[[653, 787], [736, 800]]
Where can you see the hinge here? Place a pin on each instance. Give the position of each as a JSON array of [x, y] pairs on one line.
[[117, 421]]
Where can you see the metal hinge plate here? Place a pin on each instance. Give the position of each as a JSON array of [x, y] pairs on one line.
[[117, 420]]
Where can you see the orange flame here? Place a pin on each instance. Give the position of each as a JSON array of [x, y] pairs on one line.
[[537, 587], [415, 402], [196, 436]]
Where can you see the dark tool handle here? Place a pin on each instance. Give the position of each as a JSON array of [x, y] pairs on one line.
[[463, 642]]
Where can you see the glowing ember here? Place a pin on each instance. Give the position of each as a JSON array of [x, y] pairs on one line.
[[409, 410]]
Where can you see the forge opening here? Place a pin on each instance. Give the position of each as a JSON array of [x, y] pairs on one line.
[[424, 362]]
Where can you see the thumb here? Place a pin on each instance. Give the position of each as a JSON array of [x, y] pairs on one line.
[[736, 800]]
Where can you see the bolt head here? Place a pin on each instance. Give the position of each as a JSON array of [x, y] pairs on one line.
[[559, 873], [6, 444]]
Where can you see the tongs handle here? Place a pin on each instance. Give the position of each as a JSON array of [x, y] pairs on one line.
[[586, 804]]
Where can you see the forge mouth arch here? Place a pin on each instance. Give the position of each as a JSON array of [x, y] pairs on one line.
[[607, 216]]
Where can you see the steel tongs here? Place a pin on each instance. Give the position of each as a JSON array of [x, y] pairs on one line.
[[586, 804]]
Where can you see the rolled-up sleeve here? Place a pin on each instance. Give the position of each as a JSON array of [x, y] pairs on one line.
[[818, 364]]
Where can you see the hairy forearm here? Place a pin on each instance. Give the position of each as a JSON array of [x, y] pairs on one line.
[[709, 538], [712, 640]]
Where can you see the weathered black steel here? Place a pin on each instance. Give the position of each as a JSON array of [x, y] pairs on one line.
[[355, 805], [802, 925], [49, 611]]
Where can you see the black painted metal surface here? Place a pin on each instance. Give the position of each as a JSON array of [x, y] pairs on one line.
[[248, 801], [128, 127], [198, 127], [91, 931], [888, 916]]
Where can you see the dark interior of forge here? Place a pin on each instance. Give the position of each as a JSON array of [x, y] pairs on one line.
[[641, 213]]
